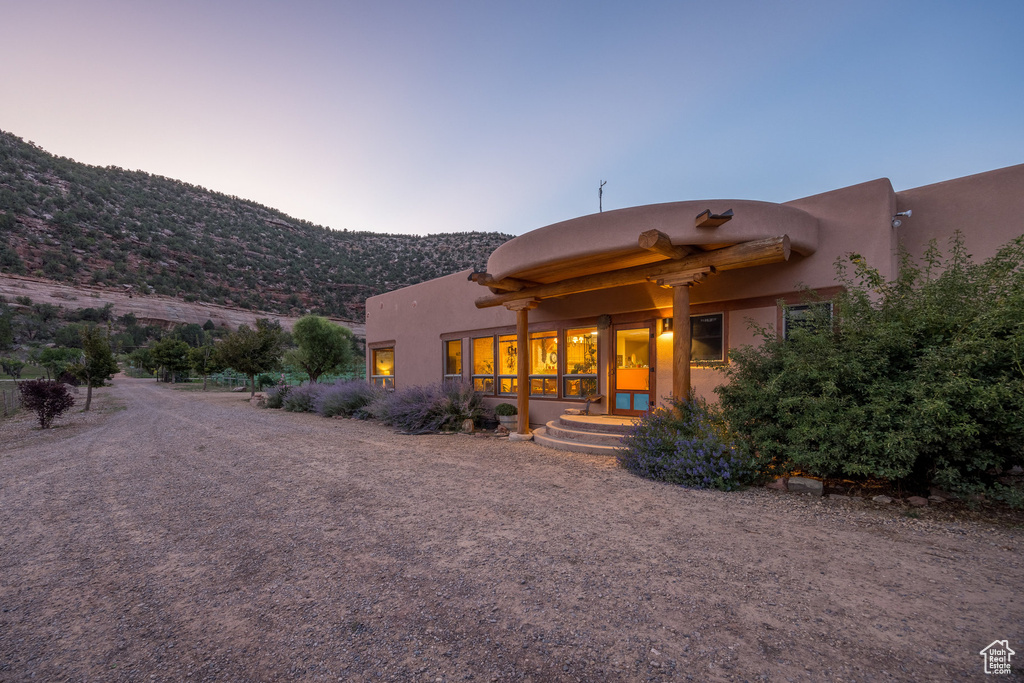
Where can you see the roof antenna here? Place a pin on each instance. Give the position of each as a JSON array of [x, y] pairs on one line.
[[600, 196]]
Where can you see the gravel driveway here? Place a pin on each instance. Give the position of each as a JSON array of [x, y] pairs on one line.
[[173, 535]]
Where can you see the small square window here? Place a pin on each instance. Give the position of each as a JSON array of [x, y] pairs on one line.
[[706, 337], [810, 317]]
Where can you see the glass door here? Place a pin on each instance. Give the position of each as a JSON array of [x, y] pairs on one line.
[[633, 379]]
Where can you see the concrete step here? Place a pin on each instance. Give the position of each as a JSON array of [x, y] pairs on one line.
[[541, 436], [604, 424], [557, 430]]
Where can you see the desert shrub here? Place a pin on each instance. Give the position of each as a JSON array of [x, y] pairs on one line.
[[431, 408], [687, 443], [917, 380], [348, 399], [302, 399], [46, 398], [276, 395], [506, 409]]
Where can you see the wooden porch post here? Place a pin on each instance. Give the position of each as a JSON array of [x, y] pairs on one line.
[[522, 307], [680, 284]]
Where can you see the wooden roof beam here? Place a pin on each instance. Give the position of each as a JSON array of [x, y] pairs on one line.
[[660, 243], [505, 284], [743, 255]]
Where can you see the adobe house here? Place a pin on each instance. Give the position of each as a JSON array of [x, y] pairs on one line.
[[633, 305]]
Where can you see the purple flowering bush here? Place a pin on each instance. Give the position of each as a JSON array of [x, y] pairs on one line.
[[276, 395], [302, 399], [431, 408], [687, 443], [347, 398]]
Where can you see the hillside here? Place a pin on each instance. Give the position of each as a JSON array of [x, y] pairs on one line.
[[132, 231]]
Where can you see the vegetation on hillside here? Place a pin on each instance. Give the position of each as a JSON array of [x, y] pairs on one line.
[[81, 224]]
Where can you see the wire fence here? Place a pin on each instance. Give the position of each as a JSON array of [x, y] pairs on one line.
[[10, 399]]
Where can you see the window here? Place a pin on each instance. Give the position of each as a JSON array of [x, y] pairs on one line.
[[507, 364], [483, 364], [383, 368], [544, 363], [453, 361], [810, 317], [706, 338], [580, 378]]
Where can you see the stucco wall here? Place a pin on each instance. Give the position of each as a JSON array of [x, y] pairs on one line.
[[988, 208], [853, 219]]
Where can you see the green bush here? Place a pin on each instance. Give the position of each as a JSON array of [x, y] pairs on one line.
[[506, 409], [687, 443], [917, 380]]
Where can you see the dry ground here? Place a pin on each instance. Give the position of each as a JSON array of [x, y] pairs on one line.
[[179, 536]]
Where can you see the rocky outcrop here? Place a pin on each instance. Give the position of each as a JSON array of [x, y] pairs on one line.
[[149, 308]]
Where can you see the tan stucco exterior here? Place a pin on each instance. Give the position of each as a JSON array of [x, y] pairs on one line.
[[988, 208]]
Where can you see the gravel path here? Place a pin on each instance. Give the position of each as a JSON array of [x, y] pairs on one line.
[[175, 536]]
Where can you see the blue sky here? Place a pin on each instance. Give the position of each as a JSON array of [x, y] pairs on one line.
[[425, 117]]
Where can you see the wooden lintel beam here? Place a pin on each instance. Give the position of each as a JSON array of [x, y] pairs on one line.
[[686, 277], [660, 243], [743, 255]]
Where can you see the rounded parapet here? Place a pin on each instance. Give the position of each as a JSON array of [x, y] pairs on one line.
[[609, 241]]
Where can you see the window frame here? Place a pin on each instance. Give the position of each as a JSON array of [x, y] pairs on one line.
[[721, 337], [386, 381], [565, 376], [505, 384], [788, 320], [446, 377]]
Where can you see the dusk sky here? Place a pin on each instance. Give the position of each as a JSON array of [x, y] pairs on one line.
[[426, 117]]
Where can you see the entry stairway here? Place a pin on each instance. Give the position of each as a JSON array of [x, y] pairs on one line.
[[595, 434]]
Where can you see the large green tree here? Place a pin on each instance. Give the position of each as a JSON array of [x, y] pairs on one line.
[[172, 355], [252, 351], [323, 346], [205, 360], [97, 364], [55, 359]]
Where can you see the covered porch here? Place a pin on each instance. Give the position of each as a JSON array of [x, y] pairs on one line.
[[676, 255]]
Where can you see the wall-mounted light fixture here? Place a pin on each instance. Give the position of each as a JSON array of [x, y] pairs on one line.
[[896, 222], [666, 325]]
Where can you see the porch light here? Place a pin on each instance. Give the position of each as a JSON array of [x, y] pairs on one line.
[[666, 325]]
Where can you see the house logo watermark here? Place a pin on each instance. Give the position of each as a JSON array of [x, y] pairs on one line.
[[997, 656]]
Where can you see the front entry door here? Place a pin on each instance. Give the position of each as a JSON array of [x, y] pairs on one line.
[[633, 377]]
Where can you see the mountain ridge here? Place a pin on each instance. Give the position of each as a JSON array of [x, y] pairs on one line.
[[72, 223]]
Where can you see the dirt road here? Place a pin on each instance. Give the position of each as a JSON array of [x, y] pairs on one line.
[[179, 536]]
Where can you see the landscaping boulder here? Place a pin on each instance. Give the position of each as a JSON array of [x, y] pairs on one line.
[[918, 501], [811, 487]]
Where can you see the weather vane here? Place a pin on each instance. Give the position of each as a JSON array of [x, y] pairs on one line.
[[600, 196]]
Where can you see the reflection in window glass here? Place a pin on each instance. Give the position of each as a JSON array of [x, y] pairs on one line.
[[809, 317], [383, 366], [580, 378], [453, 360], [507, 364], [507, 357], [706, 337], [544, 363], [483, 364]]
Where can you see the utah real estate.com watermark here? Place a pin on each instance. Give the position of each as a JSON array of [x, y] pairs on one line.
[[997, 657]]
